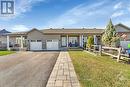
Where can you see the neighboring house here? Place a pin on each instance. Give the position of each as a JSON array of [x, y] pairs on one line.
[[57, 39], [3, 38], [124, 33], [123, 30]]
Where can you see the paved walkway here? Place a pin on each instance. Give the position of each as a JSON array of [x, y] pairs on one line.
[[63, 74]]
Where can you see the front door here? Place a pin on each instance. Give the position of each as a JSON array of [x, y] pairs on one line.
[[73, 41], [64, 41]]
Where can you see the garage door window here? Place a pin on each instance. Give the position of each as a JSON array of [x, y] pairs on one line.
[[39, 40], [33, 40], [49, 40]]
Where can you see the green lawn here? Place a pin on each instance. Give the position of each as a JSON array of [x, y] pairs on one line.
[[6, 52], [97, 71]]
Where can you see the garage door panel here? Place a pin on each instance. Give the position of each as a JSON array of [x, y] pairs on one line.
[[35, 45], [52, 45]]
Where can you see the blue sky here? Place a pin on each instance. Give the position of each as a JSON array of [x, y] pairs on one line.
[[44, 14]]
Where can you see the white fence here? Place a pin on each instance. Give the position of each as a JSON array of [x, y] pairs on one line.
[[118, 50], [102, 49]]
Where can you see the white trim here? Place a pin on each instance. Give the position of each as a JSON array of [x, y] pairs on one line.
[[8, 48], [67, 41], [82, 37], [95, 39], [81, 40], [21, 41]]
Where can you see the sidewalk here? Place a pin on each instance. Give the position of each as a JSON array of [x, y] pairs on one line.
[[63, 74]]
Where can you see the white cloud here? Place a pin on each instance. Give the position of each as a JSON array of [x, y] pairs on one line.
[[76, 14], [22, 6], [129, 8], [20, 28], [117, 14], [118, 5], [127, 23]]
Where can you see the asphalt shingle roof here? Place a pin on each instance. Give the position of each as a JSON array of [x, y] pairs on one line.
[[63, 31], [71, 31]]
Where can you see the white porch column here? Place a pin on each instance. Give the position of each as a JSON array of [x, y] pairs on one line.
[[21, 41], [86, 39], [67, 41], [81, 40], [82, 37], [95, 40], [8, 48]]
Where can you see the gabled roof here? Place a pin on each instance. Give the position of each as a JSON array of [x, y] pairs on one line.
[[34, 29], [4, 32], [122, 25]]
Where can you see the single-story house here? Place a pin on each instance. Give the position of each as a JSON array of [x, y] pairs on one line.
[[57, 39], [52, 39]]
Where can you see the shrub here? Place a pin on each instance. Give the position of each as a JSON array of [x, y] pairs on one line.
[[84, 45], [90, 42]]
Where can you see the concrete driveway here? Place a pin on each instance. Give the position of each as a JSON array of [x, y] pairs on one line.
[[26, 69]]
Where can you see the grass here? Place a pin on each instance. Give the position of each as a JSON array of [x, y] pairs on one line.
[[6, 52], [100, 71]]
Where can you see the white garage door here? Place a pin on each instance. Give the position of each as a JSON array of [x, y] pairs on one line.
[[36, 45], [124, 44], [52, 45]]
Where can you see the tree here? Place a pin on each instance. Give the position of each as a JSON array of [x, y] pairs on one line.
[[116, 41], [109, 34], [90, 41]]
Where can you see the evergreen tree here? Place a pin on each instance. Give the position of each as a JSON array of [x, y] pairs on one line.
[[109, 33]]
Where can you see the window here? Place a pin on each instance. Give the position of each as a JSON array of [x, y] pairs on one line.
[[39, 40]]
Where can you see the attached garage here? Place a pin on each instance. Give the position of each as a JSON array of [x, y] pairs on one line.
[[52, 45], [36, 45]]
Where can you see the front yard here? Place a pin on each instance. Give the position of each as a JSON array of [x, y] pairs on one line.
[[5, 52], [97, 71]]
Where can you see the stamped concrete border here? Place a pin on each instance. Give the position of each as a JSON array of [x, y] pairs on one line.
[[63, 73]]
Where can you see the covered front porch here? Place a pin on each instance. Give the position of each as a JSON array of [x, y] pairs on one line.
[[16, 42], [78, 40]]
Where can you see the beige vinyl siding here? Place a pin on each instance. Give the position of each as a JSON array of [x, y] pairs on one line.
[[36, 35]]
